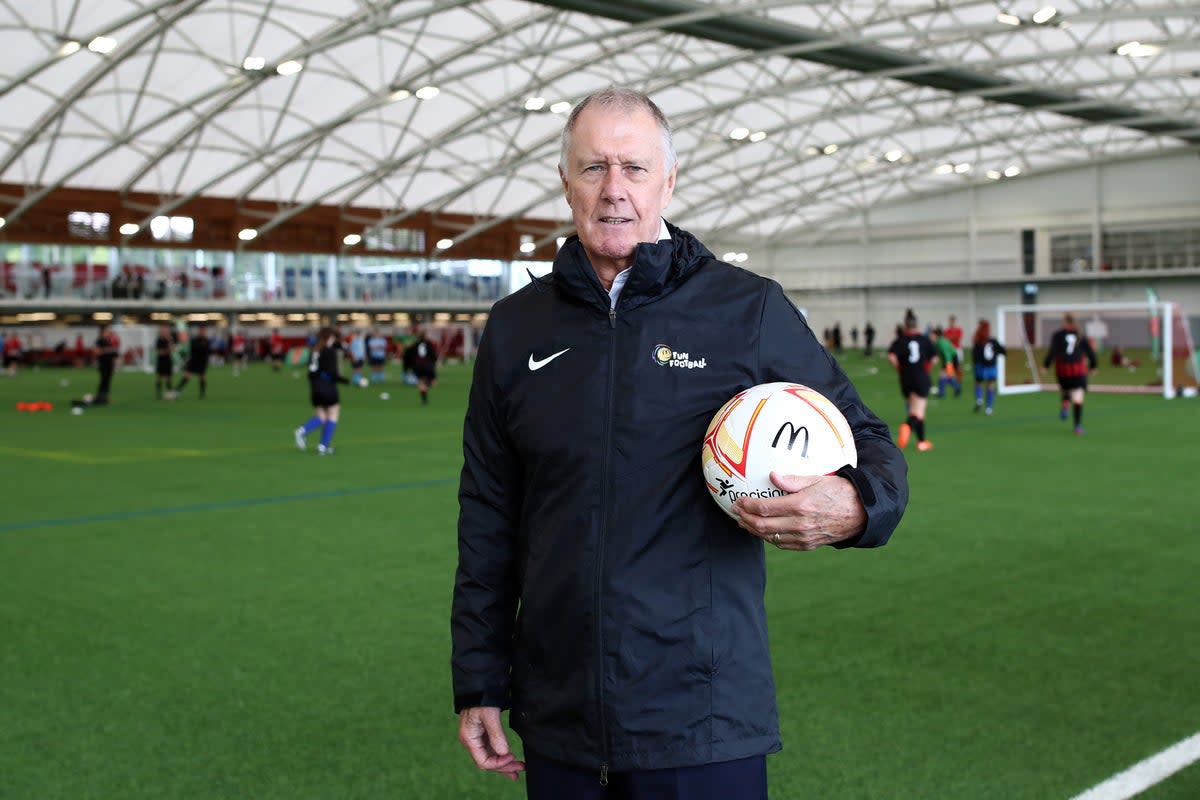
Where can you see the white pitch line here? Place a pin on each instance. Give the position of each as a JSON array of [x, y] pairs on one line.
[[1144, 774]]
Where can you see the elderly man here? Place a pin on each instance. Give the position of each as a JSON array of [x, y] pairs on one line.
[[601, 595]]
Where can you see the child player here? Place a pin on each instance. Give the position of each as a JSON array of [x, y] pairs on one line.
[[985, 353], [323, 380], [912, 355]]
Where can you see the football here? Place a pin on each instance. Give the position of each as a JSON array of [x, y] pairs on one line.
[[786, 428]]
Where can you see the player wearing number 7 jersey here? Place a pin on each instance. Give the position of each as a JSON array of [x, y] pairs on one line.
[[1073, 359], [911, 354]]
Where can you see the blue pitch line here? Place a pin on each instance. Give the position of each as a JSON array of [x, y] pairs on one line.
[[221, 505]]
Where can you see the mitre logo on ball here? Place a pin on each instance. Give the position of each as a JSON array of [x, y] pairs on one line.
[[785, 428]]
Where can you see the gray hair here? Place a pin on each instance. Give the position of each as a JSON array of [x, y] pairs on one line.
[[623, 99]]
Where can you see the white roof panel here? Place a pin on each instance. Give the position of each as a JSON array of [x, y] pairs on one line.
[[169, 110]]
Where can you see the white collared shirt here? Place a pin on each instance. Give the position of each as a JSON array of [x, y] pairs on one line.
[[618, 283]]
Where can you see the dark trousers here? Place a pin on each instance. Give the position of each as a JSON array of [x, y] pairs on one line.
[[106, 373], [744, 779]]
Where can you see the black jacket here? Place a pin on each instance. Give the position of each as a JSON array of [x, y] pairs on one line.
[[601, 593]]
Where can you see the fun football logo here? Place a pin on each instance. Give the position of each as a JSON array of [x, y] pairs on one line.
[[666, 356]]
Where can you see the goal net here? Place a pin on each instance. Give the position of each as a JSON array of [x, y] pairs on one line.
[[137, 347], [1140, 347]]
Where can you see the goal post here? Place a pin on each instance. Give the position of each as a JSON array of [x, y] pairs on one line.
[[1141, 347], [137, 347]]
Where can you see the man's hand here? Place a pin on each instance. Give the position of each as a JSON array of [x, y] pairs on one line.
[[480, 731], [816, 511]]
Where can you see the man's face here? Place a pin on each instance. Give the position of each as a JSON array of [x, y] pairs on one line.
[[616, 184]]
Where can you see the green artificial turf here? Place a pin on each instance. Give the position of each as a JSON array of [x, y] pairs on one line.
[[191, 608]]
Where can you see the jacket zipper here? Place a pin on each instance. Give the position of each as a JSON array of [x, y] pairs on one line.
[[612, 366]]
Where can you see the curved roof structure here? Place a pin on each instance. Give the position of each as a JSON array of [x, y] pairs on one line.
[[790, 117]]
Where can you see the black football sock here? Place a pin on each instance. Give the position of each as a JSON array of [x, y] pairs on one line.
[[182, 383], [919, 429], [1077, 410], [203, 387]]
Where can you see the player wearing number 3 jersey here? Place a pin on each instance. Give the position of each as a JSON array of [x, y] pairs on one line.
[[911, 354]]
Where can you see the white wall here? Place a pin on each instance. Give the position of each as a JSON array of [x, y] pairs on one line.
[[960, 252]]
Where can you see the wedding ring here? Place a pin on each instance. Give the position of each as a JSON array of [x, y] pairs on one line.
[[777, 540]]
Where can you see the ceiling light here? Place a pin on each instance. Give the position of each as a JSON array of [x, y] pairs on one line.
[[962, 168], [830, 149], [535, 104], [994, 174], [253, 63], [1008, 19], [1138, 50], [247, 234], [102, 45], [351, 239], [741, 257], [894, 155], [729, 257], [398, 95], [812, 150], [289, 68], [528, 247], [1045, 14], [561, 107], [3, 222], [427, 92], [1012, 171], [737, 134], [130, 228], [69, 47], [445, 244], [944, 169], [758, 136]]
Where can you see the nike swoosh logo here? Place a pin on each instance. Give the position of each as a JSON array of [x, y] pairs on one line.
[[535, 365]]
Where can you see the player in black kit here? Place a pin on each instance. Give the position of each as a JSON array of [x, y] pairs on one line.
[[323, 380], [164, 349], [197, 363], [421, 358], [911, 354]]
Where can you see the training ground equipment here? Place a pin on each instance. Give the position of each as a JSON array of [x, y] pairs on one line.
[[1156, 352], [785, 428], [136, 352], [37, 405]]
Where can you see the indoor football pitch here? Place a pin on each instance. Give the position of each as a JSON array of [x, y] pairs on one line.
[[192, 608]]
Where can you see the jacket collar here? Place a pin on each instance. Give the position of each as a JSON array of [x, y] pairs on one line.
[[657, 268]]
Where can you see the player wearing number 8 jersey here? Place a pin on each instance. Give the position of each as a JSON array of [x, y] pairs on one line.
[[1073, 359], [912, 354]]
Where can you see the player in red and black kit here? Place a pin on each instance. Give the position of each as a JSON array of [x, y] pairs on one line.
[[1073, 359], [323, 380], [164, 352], [12, 352], [912, 355], [955, 335], [421, 358]]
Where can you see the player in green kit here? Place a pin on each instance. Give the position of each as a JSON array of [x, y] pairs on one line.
[[948, 355]]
